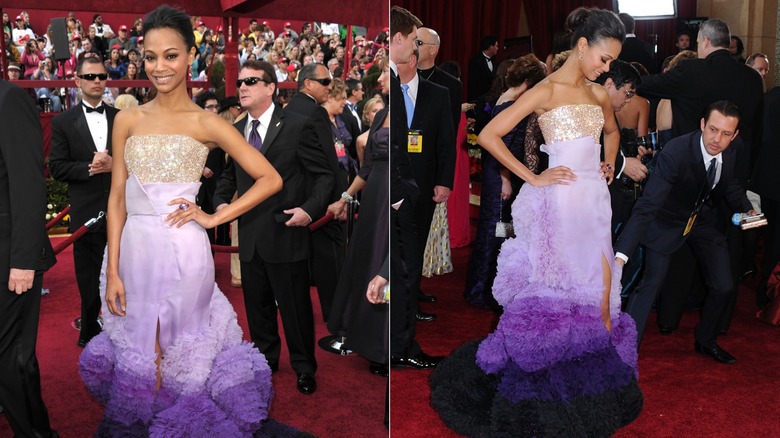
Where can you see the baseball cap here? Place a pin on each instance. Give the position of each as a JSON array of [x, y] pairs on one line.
[[75, 37], [265, 23], [14, 66], [19, 18], [385, 29], [283, 59], [219, 29], [116, 46], [140, 39], [200, 23], [287, 24], [292, 67], [68, 73], [123, 27]]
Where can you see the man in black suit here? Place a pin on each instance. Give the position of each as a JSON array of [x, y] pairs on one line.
[[215, 164], [635, 49], [766, 182], [428, 43], [482, 68], [351, 115], [431, 148], [314, 84], [693, 174], [405, 259], [25, 253], [692, 86], [81, 156], [274, 246]]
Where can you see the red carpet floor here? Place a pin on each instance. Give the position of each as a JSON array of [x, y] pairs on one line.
[[686, 395], [349, 401]]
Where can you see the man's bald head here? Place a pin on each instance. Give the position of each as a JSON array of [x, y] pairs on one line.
[[429, 43]]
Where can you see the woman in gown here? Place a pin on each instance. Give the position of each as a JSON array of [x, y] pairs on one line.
[[498, 188], [562, 360], [363, 326], [171, 361]]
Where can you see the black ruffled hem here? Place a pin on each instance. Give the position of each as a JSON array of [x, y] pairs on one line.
[[467, 401]]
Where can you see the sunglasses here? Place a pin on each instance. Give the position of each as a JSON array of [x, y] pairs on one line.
[[322, 81], [420, 43], [93, 76], [251, 81]]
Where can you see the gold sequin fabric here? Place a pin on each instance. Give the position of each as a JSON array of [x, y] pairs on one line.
[[437, 259], [568, 122], [164, 158]]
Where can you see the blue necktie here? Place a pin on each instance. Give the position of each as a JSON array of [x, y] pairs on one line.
[[408, 104], [254, 137]]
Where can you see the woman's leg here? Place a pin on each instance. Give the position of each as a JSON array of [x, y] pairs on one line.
[[606, 271]]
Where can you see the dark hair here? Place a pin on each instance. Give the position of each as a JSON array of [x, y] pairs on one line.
[[526, 68], [499, 82], [352, 85], [640, 68], [740, 44], [263, 66], [307, 72], [725, 107], [717, 31], [88, 60], [95, 17], [621, 73], [487, 41], [628, 22], [167, 17], [401, 20], [561, 42], [206, 96], [594, 25], [451, 67], [133, 50]]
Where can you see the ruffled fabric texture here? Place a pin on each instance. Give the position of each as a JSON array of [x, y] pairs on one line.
[[213, 383], [550, 368]]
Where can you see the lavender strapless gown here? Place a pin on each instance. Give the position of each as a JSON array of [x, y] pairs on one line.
[[551, 368], [213, 383]]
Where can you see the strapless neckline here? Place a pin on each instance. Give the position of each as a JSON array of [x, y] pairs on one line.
[[139, 136], [568, 105]]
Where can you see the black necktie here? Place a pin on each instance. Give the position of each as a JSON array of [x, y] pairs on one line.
[[254, 136], [712, 171], [89, 109]]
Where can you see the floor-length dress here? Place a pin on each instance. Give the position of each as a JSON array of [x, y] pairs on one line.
[[365, 325], [458, 203], [492, 209], [213, 383], [551, 368]]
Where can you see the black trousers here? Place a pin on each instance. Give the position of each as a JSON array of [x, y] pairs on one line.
[[711, 251], [20, 379], [327, 259], [283, 286], [88, 259], [423, 216], [405, 273]]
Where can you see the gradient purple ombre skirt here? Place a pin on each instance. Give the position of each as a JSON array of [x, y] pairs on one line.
[[213, 383], [550, 368]]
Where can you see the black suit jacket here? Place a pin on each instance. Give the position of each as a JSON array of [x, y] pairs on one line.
[[640, 51], [766, 178], [696, 83], [317, 115], [290, 145], [402, 183], [23, 240], [72, 150], [659, 217], [480, 76], [435, 166], [453, 86], [353, 127]]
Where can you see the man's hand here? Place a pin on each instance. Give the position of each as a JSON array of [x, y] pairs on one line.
[[20, 280], [207, 173], [300, 218], [101, 163], [635, 170], [440, 194]]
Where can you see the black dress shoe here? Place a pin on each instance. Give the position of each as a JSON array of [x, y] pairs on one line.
[[666, 331], [421, 362], [427, 317], [714, 352], [379, 368], [306, 383], [426, 298]]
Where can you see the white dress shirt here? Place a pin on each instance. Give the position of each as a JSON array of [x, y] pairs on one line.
[[98, 126]]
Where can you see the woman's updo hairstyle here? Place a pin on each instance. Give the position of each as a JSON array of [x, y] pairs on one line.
[[168, 17], [594, 25]]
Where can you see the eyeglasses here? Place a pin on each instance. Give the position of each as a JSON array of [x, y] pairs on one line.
[[322, 81], [251, 81], [93, 76], [422, 43], [629, 93]]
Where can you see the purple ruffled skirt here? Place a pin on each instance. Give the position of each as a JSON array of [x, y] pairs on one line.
[[550, 368], [213, 383]]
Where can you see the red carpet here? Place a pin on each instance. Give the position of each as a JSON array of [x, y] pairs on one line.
[[349, 400], [686, 395]]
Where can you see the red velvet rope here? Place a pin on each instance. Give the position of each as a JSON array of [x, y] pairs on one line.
[[57, 219]]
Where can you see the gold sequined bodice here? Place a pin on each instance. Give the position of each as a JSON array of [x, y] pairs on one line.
[[165, 158], [568, 122]]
